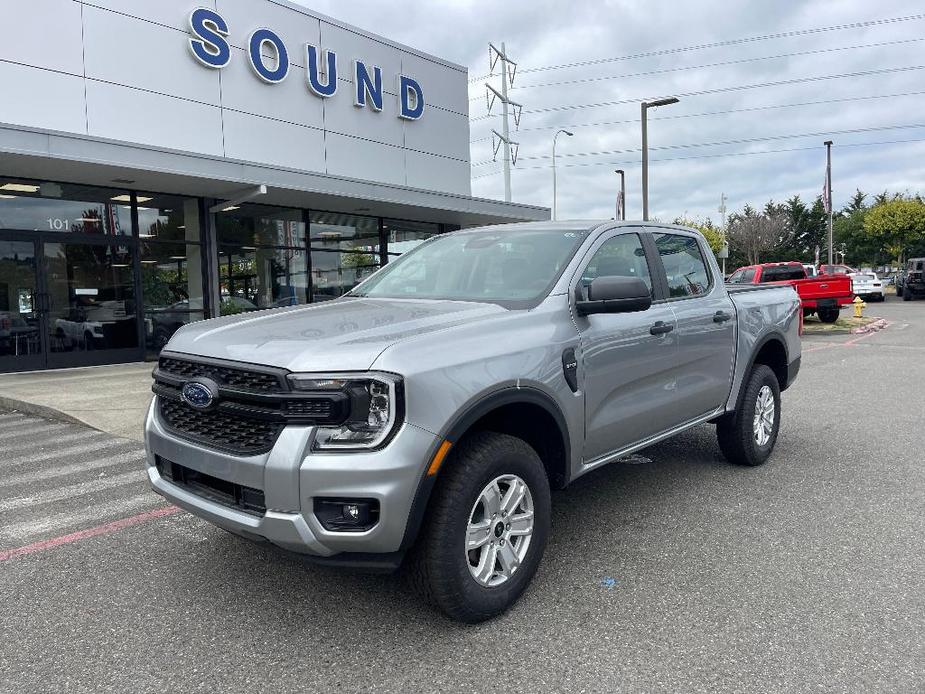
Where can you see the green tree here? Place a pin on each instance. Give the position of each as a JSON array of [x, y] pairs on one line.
[[713, 234], [898, 225]]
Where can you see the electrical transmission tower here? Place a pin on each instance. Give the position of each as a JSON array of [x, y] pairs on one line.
[[508, 70]]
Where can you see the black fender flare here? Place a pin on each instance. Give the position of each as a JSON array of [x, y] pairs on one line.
[[457, 428], [773, 336]]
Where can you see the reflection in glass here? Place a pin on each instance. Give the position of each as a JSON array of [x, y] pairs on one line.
[[19, 320], [171, 285], [336, 273], [252, 278], [65, 208], [91, 297], [168, 218], [261, 225], [403, 236], [346, 232]]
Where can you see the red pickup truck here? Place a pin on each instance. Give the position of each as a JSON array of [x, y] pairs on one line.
[[824, 294]]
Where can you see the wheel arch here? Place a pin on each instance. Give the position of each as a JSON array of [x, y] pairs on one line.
[[525, 412]]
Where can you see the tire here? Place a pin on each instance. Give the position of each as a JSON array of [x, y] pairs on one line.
[[899, 292], [907, 296], [440, 565], [828, 315], [736, 432]]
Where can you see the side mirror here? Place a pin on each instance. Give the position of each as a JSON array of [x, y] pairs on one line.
[[615, 295]]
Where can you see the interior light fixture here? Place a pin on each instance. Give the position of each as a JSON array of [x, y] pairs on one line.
[[8, 197], [128, 198], [145, 236], [20, 187], [178, 257], [89, 220], [119, 265], [248, 248], [181, 226], [149, 262], [230, 208]]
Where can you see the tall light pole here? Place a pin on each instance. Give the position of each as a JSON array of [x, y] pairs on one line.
[[644, 107], [621, 198], [554, 138], [828, 190]]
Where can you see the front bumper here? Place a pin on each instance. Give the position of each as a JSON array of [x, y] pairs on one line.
[[291, 476]]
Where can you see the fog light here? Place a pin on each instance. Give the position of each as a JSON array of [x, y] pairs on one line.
[[345, 515]]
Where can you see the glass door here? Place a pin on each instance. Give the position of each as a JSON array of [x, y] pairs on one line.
[[21, 317], [91, 302]]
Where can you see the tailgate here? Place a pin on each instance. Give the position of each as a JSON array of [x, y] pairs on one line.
[[824, 287]]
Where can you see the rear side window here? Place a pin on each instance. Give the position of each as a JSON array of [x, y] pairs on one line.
[[736, 277], [779, 274], [621, 256], [748, 276], [684, 265]]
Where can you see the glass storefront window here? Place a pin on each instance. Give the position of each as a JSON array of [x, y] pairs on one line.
[[344, 232], [261, 225], [403, 236], [251, 278], [334, 273], [168, 218], [171, 288], [61, 207], [19, 318]]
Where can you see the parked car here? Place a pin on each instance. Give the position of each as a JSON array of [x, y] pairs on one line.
[[824, 294], [910, 282], [429, 411], [867, 286], [836, 270], [810, 270]]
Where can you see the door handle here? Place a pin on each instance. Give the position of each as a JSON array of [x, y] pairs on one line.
[[660, 328], [721, 317]]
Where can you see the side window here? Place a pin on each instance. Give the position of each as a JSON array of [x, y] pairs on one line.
[[684, 265], [621, 256], [736, 277], [749, 276]]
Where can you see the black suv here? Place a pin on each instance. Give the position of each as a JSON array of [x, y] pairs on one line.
[[910, 283]]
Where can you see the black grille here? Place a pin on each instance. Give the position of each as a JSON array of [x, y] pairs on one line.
[[321, 409], [220, 429], [239, 379]]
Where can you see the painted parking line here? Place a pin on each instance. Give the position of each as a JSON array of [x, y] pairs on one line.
[[31, 430], [106, 529], [47, 524], [98, 447], [70, 491], [82, 435], [72, 469]]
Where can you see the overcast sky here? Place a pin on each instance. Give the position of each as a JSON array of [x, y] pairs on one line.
[[543, 33]]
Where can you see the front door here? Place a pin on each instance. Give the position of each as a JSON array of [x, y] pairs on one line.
[[629, 359], [66, 302]]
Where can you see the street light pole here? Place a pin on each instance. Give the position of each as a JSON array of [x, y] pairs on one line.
[[828, 184], [644, 107], [621, 199], [554, 138]]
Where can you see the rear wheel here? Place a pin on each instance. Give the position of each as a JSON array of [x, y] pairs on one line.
[[828, 315], [907, 296], [486, 530], [747, 436]]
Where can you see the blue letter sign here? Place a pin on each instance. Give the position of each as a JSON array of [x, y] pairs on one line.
[[257, 41], [412, 99], [209, 47], [314, 78], [365, 85]]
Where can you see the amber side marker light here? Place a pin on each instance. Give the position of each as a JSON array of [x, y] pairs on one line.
[[439, 457]]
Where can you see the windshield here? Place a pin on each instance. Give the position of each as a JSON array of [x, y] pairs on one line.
[[514, 268]]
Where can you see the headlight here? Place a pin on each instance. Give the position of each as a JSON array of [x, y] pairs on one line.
[[375, 408]]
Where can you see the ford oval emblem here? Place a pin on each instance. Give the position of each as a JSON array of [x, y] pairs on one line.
[[198, 395]]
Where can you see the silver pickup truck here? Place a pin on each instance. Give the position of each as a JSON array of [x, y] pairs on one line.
[[429, 412]]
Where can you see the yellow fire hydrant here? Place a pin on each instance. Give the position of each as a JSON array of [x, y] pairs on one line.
[[859, 306]]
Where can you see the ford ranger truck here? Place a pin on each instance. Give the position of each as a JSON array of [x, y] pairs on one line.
[[425, 416], [823, 294]]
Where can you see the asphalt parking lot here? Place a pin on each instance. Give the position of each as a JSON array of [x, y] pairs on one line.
[[671, 572]]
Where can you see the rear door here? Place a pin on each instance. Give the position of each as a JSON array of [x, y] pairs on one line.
[[705, 324]]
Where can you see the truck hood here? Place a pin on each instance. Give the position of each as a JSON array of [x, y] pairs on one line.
[[341, 335]]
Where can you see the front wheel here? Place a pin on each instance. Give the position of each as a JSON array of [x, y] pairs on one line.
[[828, 315], [747, 436], [486, 529]]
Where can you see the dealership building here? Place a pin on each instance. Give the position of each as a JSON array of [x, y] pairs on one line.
[[166, 162]]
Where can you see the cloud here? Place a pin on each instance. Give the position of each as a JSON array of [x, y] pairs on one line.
[[684, 180]]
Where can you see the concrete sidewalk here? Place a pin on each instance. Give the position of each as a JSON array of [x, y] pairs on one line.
[[112, 398]]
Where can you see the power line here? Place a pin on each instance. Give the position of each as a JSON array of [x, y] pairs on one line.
[[710, 156], [713, 113], [722, 143], [721, 90], [720, 44]]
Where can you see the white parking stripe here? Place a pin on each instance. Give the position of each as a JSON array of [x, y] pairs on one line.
[[62, 470], [19, 533], [11, 415], [100, 447], [7, 424], [30, 430], [62, 493], [81, 435]]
